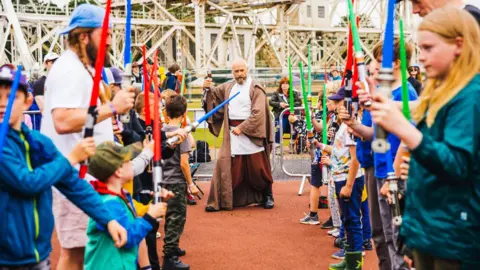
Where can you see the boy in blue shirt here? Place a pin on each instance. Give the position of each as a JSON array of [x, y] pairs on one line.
[[380, 212], [30, 166]]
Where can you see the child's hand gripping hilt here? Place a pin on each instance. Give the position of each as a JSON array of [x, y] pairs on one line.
[[190, 128]]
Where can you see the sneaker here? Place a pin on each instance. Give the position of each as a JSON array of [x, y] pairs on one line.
[[310, 220], [328, 224], [336, 233], [332, 231], [367, 245], [339, 255]]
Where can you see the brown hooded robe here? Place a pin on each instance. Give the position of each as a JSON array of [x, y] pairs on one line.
[[258, 127]]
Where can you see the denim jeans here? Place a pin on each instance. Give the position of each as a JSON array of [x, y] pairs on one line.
[[366, 228], [351, 213]]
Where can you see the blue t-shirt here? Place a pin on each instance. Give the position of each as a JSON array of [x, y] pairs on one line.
[[380, 160], [364, 147]]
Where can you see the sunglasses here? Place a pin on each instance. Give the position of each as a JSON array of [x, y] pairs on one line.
[[413, 69]]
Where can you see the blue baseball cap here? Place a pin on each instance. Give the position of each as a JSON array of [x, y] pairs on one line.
[[7, 74], [339, 95], [86, 16]]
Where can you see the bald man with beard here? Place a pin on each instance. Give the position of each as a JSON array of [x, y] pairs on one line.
[[242, 175]]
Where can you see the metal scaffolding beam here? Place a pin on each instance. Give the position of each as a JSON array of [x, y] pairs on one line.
[[265, 32]]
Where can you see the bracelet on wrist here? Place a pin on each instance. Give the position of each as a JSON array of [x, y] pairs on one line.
[[114, 111]]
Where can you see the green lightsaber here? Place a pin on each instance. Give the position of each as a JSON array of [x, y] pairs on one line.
[[403, 67], [309, 71], [290, 90], [305, 99], [182, 88]]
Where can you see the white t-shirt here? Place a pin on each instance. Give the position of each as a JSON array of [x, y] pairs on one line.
[[341, 158], [240, 108], [69, 85]]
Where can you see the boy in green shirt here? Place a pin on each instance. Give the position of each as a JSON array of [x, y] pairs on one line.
[[112, 166]]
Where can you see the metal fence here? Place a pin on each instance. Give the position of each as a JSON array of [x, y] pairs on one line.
[[297, 163]]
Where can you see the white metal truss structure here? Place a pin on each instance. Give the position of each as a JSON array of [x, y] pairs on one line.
[[200, 34]]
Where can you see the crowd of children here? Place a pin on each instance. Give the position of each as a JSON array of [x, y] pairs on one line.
[[441, 215], [441, 151]]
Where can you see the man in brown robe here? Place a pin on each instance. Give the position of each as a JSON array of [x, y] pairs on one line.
[[242, 175]]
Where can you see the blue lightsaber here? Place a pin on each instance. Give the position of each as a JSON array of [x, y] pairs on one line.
[[127, 58], [380, 143], [11, 98], [191, 127]]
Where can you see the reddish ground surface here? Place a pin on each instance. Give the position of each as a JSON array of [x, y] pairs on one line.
[[255, 238]]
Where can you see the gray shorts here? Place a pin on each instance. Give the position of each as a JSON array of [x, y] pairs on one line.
[[43, 265], [70, 222]]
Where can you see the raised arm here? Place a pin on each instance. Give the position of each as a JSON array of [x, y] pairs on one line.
[[16, 176]]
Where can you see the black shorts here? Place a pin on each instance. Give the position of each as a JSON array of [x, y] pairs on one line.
[[316, 172]]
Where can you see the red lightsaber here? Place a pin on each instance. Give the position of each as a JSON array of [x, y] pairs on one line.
[[92, 109]]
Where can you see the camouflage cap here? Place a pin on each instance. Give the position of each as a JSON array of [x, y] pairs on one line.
[[109, 156]]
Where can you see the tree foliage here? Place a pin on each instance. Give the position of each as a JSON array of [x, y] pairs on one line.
[[365, 21]]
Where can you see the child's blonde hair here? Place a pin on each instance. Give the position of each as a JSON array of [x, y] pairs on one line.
[[449, 24], [166, 94]]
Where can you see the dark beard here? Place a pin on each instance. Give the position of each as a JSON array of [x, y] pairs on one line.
[[92, 52]]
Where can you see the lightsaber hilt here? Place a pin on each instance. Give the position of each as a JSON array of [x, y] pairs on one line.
[[126, 80], [348, 92], [157, 175], [149, 137], [393, 187], [380, 143], [89, 124], [190, 128], [362, 74], [324, 173]]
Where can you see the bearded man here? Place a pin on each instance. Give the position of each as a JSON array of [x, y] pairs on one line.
[[242, 175], [68, 90]]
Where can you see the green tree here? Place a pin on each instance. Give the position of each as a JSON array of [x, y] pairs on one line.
[[365, 21]]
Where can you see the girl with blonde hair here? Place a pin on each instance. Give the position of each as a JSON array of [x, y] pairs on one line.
[[442, 214]]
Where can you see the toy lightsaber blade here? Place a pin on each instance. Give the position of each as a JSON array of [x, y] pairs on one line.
[[349, 61], [11, 98], [324, 130], [359, 55], [380, 143], [393, 186], [92, 109], [305, 100], [157, 172], [127, 59], [192, 126]]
